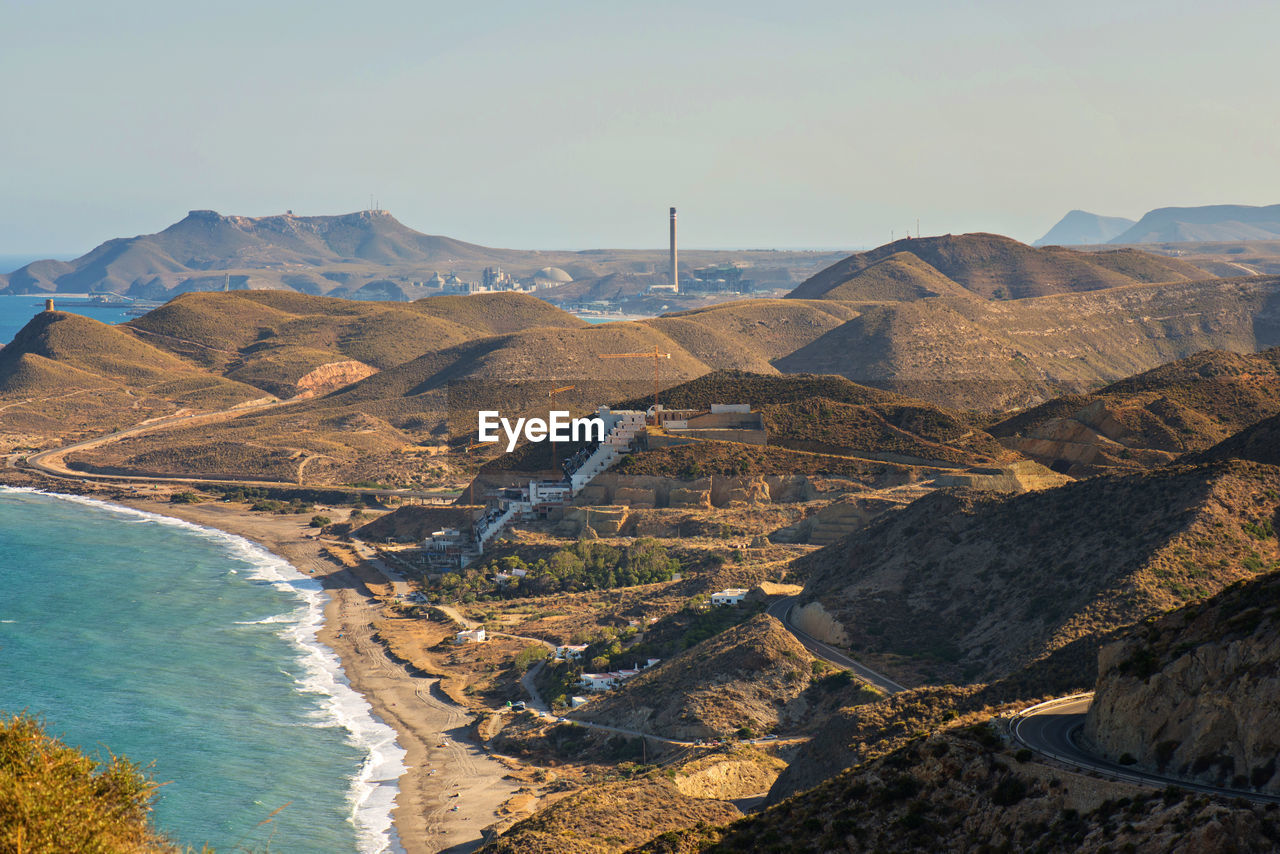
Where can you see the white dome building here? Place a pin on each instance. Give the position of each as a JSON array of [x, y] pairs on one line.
[[551, 276]]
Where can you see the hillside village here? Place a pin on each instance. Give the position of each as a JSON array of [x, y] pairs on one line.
[[810, 588]]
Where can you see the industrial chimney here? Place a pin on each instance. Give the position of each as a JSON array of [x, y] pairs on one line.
[[675, 269]]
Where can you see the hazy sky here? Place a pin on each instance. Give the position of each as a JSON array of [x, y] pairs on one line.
[[573, 125]]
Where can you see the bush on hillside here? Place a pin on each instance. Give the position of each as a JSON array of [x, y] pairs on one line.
[[53, 798]]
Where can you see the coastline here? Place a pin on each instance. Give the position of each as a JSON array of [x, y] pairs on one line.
[[443, 768]]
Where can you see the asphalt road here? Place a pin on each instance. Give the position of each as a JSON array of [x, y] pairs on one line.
[[1051, 728], [51, 461], [781, 610]]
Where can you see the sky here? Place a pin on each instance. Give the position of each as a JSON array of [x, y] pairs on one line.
[[569, 125]]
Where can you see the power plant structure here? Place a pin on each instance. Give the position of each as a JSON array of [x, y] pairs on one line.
[[675, 266]]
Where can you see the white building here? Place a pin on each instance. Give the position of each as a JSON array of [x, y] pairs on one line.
[[471, 636], [730, 596], [597, 682], [571, 651]]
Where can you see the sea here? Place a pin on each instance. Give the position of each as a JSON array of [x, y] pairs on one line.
[[194, 651]]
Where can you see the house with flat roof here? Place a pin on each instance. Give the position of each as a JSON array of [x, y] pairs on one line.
[[729, 596], [471, 636]]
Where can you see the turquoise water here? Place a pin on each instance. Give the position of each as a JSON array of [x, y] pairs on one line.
[[16, 311], [194, 649]]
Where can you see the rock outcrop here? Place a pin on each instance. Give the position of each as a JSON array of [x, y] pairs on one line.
[[1196, 694]]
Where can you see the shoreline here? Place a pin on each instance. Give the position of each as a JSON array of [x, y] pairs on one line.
[[444, 768]]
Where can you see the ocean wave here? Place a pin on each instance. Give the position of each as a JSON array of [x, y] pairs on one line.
[[370, 796]]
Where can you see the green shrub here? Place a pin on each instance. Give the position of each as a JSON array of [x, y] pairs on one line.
[[320, 521], [53, 798]]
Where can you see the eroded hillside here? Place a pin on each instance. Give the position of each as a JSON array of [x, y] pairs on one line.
[[968, 586]]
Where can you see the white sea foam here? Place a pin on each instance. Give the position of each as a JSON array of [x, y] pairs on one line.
[[371, 795]]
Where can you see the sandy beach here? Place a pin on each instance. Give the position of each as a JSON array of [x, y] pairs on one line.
[[446, 768], [453, 788]]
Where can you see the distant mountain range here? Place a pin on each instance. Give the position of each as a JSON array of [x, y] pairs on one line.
[[1205, 224], [209, 251], [1081, 228], [363, 255]]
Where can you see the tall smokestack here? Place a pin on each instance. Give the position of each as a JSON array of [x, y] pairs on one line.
[[675, 269]]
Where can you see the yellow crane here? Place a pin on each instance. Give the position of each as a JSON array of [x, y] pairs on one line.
[[655, 355]]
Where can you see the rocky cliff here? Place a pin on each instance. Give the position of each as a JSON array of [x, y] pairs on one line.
[[1196, 694]]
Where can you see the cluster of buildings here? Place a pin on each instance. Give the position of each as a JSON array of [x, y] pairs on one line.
[[599, 682], [454, 548], [497, 279]]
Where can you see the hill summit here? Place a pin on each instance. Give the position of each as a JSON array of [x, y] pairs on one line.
[[989, 266], [205, 241]]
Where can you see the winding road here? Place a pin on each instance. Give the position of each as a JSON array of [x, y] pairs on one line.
[[52, 462], [781, 611], [1051, 729]]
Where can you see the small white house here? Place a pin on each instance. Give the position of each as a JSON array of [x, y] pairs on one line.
[[730, 596], [572, 651], [575, 702], [471, 636], [597, 682]]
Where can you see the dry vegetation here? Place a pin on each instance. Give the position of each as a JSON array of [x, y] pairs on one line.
[[977, 586]]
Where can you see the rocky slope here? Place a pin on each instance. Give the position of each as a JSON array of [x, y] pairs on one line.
[[975, 353], [960, 792], [746, 676], [1261, 443], [967, 586], [1149, 419], [1195, 694]]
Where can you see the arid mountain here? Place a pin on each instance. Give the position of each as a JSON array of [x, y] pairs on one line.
[[207, 241], [971, 353], [65, 374], [271, 338], [832, 415], [1081, 228], [1194, 694], [740, 679], [975, 587], [988, 266], [1151, 418], [364, 255], [961, 791], [1206, 223], [1260, 443], [380, 375]]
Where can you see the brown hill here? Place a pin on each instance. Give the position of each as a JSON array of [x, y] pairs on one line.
[[1194, 694], [64, 374], [989, 266], [610, 817], [959, 791], [1260, 443], [900, 277], [970, 353], [740, 679], [750, 335], [252, 331], [974, 587], [1151, 418]]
